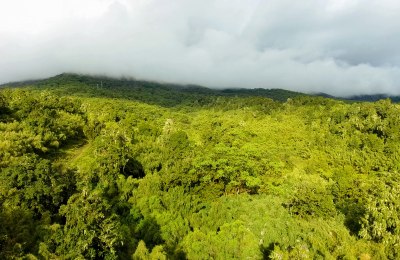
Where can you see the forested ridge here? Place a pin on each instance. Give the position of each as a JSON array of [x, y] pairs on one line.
[[99, 168]]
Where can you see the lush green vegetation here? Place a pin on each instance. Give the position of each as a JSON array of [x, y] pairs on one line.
[[93, 168]]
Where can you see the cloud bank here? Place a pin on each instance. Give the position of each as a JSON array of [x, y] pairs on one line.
[[340, 47]]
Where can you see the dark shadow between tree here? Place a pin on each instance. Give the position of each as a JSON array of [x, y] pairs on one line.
[[133, 168]]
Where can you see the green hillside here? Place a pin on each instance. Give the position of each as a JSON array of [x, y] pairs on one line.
[[146, 91], [102, 168]]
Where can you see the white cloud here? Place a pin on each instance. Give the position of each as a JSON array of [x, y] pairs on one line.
[[338, 47]]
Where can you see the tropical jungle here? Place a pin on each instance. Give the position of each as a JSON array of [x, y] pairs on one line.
[[100, 168]]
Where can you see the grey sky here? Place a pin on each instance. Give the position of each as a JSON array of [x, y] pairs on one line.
[[335, 46]]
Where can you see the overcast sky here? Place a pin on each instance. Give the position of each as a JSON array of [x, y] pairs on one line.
[[339, 47]]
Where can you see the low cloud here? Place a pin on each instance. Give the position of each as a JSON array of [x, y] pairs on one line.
[[337, 47]]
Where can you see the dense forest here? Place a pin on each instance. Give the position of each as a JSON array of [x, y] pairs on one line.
[[99, 168]]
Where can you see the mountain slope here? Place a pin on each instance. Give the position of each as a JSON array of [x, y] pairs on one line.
[[146, 91], [166, 94]]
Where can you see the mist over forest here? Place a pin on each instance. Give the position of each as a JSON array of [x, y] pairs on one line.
[[336, 47], [199, 129]]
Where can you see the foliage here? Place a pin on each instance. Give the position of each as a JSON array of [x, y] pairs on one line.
[[98, 168]]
